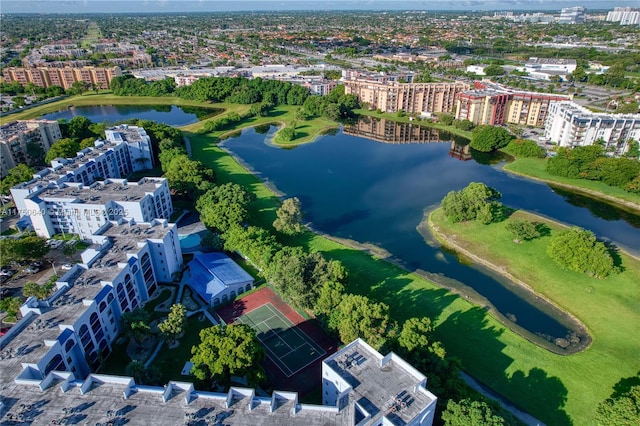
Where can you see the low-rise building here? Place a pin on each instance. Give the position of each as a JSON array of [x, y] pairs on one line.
[[16, 136], [217, 278], [569, 124], [548, 68]]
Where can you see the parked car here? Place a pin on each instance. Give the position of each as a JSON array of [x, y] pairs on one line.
[[66, 266], [6, 272], [30, 270]]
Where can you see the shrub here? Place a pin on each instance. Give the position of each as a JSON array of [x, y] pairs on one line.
[[578, 250], [525, 148]]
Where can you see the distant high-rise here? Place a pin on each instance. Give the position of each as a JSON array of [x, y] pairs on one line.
[[624, 15], [572, 15]]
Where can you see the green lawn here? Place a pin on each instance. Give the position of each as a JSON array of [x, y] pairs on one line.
[[535, 168], [557, 389], [610, 309]]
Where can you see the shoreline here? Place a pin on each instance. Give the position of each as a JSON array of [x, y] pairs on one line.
[[582, 329]]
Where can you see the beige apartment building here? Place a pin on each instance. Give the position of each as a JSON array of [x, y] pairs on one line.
[[414, 98], [15, 137], [64, 77], [495, 105]]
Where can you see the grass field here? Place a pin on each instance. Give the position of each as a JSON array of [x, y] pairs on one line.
[[535, 167], [566, 389]]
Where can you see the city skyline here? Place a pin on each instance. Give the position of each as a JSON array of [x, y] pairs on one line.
[[186, 6]]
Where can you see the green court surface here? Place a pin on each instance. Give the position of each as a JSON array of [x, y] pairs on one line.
[[286, 345]]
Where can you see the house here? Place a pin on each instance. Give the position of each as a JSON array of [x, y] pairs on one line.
[[217, 278]]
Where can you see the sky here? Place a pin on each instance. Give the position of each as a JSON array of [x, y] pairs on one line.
[[173, 6]]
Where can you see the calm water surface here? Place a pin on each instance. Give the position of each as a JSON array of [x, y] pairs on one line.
[[375, 192], [168, 114]]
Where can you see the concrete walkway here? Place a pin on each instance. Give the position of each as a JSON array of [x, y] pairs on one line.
[[521, 415]]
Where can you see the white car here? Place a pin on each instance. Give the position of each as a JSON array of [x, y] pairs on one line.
[[66, 266]]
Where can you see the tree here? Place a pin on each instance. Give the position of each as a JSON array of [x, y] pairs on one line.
[[142, 375], [415, 334], [79, 128], [489, 138], [620, 410], [10, 305], [356, 316], [470, 413], [578, 250], [135, 324], [29, 247], [476, 201], [285, 135], [18, 174], [188, 177], [525, 148], [62, 148], [224, 206], [36, 153], [523, 230], [329, 297], [227, 350], [446, 119], [42, 292], [289, 217], [175, 322]]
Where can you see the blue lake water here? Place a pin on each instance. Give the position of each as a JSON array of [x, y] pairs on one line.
[[374, 192], [169, 114]]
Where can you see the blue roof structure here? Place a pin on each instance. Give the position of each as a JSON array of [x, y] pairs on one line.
[[213, 273]]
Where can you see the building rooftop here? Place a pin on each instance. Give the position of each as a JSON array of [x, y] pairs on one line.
[[211, 273], [101, 192], [383, 386], [16, 127]]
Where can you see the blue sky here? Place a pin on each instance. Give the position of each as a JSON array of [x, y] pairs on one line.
[[118, 6]]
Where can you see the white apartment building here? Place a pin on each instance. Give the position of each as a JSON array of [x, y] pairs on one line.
[[76, 208], [116, 157], [17, 135], [74, 329], [569, 124], [138, 144], [572, 15], [624, 15]]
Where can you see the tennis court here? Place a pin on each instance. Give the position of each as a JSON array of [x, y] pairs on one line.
[[285, 344]]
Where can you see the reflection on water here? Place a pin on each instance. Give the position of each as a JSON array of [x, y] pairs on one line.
[[387, 131]]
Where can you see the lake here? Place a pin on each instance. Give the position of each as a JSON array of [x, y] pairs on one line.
[[376, 189], [168, 114], [372, 182]]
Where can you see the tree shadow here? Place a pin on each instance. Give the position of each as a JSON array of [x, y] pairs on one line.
[[624, 385], [542, 228], [614, 251], [501, 212], [550, 395]]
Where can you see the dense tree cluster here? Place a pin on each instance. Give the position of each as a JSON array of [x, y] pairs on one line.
[[224, 206], [229, 350], [238, 90], [18, 174], [475, 202], [188, 178], [578, 250], [335, 106], [472, 413], [490, 138], [525, 148], [623, 407], [29, 247], [590, 162]]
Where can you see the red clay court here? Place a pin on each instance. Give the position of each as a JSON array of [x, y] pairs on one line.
[[288, 366]]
